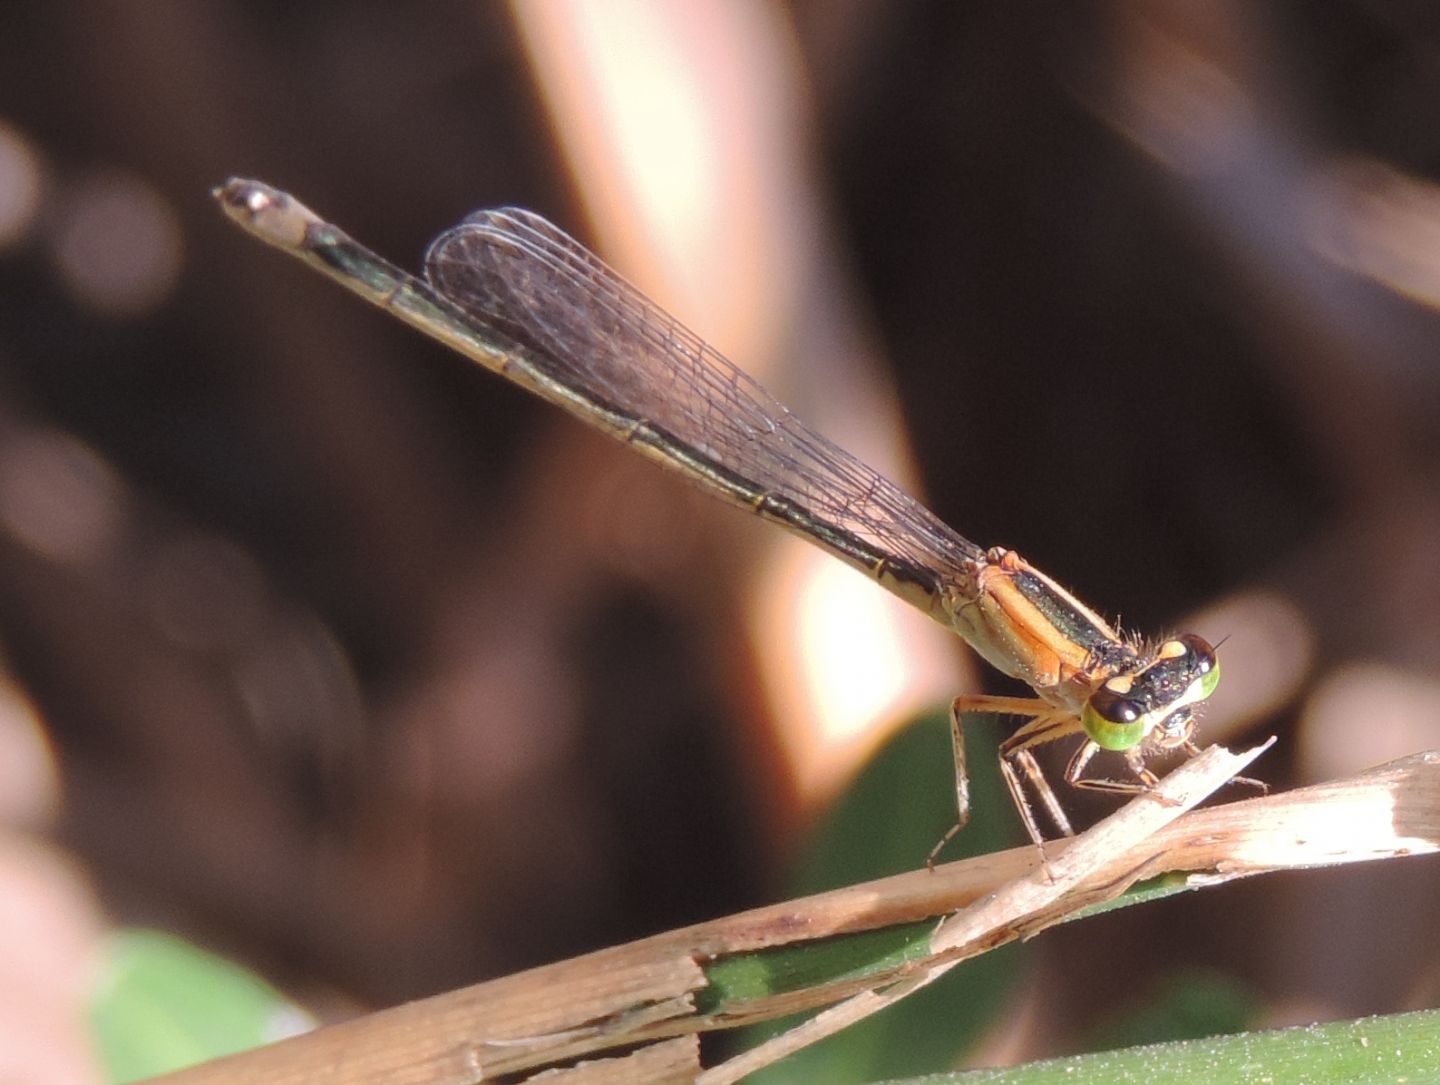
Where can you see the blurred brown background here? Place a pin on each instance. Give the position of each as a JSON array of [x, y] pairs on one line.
[[334, 653]]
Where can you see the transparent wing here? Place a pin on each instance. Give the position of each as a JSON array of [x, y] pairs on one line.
[[587, 329]]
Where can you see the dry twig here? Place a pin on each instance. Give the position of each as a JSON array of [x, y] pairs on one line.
[[632, 1012]]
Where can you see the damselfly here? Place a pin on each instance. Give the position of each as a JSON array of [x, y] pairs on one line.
[[512, 292]]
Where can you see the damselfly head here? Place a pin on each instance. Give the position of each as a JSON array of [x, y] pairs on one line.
[[1155, 703]]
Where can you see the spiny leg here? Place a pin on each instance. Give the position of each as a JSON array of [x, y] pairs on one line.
[[1026, 761], [1144, 783], [1145, 779], [1010, 706], [1016, 756]]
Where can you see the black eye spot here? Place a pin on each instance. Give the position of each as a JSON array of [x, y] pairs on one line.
[[1115, 708]]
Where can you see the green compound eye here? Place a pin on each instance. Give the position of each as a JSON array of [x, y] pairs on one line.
[[1114, 721], [1204, 662]]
